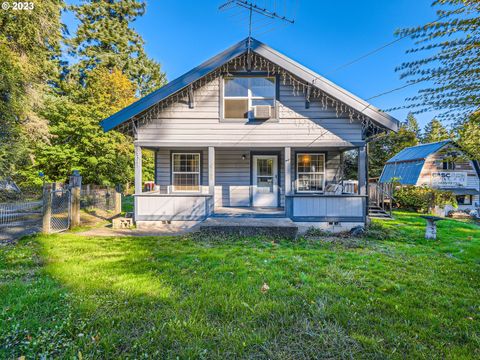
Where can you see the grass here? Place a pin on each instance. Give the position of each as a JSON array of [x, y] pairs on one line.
[[401, 297]]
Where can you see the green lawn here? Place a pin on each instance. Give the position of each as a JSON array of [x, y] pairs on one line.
[[400, 297]]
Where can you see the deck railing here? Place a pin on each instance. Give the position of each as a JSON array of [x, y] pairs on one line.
[[381, 195]]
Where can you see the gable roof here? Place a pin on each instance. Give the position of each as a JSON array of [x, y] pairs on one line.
[[419, 152], [379, 117]]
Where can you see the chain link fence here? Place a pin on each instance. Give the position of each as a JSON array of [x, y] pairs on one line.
[[19, 212], [54, 208], [98, 197], [61, 210]]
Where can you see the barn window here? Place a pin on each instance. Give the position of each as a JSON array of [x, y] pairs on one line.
[[242, 94], [186, 171], [310, 172], [449, 161], [449, 165], [464, 199]]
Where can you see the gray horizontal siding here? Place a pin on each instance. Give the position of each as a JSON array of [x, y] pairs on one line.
[[296, 126], [163, 166], [232, 173]]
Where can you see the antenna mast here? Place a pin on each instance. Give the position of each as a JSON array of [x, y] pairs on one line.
[[252, 7]]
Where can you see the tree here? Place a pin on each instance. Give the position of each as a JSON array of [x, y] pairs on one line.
[[78, 141], [411, 124], [104, 38], [434, 131], [29, 52], [469, 135], [387, 145], [451, 61]]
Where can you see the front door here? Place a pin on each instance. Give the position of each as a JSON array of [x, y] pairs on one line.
[[265, 180]]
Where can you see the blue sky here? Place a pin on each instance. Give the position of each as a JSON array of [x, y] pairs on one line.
[[326, 34]]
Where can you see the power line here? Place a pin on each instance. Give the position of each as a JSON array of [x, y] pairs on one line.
[[393, 90], [374, 51]]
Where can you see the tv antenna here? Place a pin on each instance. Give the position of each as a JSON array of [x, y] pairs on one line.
[[255, 9]]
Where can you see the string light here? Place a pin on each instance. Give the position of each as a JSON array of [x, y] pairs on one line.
[[258, 63]]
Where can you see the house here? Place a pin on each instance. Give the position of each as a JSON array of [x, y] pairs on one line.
[[441, 165], [250, 132]]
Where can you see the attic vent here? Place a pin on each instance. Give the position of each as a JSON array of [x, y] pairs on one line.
[[262, 112]]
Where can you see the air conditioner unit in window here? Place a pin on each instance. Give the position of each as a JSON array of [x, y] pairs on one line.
[[262, 112]]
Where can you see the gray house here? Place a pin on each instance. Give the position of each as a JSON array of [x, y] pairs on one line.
[[250, 132]]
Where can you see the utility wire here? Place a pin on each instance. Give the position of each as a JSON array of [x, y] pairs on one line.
[[393, 90], [374, 51]]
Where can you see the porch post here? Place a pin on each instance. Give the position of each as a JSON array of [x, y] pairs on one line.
[[138, 170], [211, 170], [288, 171], [362, 170]]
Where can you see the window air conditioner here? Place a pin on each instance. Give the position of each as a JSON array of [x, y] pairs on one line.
[[262, 112]]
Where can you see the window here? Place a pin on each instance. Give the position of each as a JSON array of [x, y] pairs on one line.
[[449, 161], [242, 93], [310, 172], [464, 199], [186, 171], [448, 165]]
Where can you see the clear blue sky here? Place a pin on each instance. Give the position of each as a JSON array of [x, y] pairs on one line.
[[326, 34]]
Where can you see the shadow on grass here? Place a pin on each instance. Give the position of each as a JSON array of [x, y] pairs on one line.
[[174, 297]]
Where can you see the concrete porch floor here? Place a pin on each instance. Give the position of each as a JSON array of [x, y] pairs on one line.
[[250, 212]]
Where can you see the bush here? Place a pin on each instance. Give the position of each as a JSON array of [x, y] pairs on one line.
[[422, 198]]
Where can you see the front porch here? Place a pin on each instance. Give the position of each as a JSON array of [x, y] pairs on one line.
[[193, 184]]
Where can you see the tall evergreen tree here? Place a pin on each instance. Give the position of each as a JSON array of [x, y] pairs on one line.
[[468, 134], [434, 131], [451, 59], [105, 38], [412, 125]]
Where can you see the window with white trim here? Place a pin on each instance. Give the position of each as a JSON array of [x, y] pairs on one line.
[[186, 172], [242, 93], [310, 172]]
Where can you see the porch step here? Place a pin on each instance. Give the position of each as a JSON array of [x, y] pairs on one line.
[[279, 228], [375, 211]]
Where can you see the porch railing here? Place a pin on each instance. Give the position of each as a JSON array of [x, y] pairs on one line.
[[381, 195]]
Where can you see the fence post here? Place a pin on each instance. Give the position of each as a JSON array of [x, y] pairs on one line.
[[47, 208], [118, 201], [76, 185]]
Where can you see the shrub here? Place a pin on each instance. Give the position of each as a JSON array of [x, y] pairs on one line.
[[422, 198]]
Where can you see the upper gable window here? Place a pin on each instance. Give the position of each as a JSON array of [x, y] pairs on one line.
[[242, 94], [449, 161]]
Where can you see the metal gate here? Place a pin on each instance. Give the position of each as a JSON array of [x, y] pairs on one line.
[[61, 209]]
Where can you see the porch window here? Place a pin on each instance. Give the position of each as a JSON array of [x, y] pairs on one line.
[[186, 172], [242, 94], [310, 172]]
